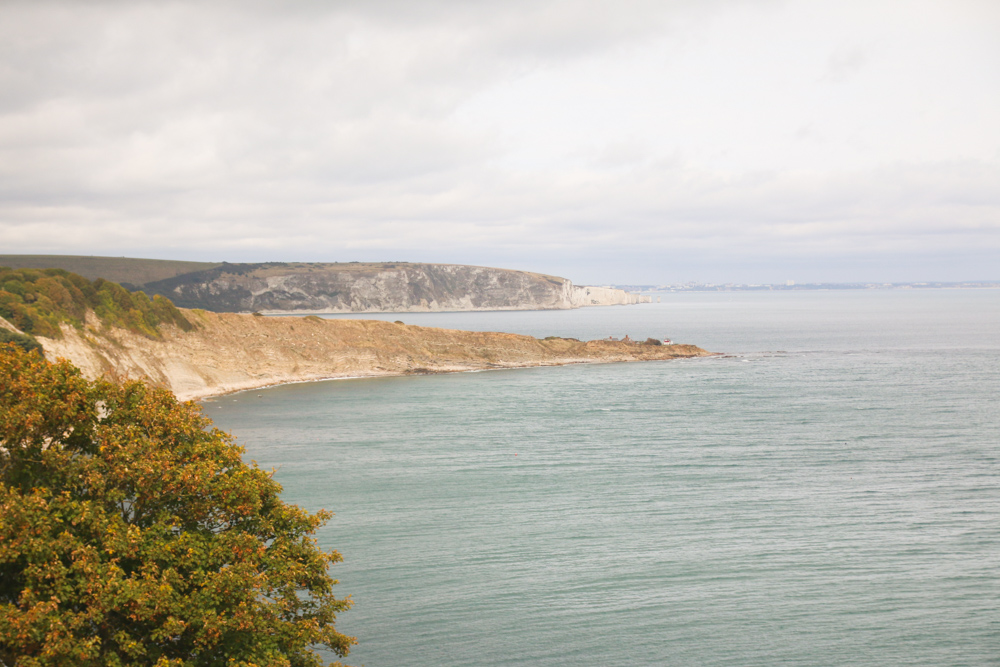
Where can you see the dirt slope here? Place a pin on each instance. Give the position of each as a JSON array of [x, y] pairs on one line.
[[230, 352]]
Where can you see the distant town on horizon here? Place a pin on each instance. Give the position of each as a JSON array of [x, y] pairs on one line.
[[791, 285]]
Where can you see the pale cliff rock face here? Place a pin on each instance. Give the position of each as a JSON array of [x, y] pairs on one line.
[[337, 288], [231, 352], [601, 296]]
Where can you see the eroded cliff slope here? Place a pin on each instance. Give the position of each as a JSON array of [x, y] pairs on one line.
[[229, 352]]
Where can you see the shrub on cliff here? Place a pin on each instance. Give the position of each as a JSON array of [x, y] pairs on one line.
[[133, 534], [37, 301], [26, 343]]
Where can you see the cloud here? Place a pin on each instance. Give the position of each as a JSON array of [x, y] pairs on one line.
[[845, 63], [479, 131]]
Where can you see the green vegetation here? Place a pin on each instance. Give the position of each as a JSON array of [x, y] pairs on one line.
[[653, 341], [129, 272], [37, 301], [25, 342], [132, 533]]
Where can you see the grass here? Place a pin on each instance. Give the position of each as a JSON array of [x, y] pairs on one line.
[[133, 272]]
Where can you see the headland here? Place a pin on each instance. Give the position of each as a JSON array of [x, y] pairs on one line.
[[228, 352]]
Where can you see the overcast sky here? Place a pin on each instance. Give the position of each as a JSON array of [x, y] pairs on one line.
[[605, 141]]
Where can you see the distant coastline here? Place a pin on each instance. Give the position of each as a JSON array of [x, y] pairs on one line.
[[791, 285], [325, 287]]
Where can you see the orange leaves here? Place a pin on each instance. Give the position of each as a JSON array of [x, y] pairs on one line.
[[138, 536], [39, 402]]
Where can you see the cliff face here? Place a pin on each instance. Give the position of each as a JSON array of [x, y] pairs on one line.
[[230, 352], [332, 288], [600, 296]]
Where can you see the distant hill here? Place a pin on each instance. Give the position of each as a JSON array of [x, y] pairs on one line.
[[352, 287], [377, 287], [131, 273]]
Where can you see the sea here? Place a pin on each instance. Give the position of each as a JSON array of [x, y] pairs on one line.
[[824, 492]]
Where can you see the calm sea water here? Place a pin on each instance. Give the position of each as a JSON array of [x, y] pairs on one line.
[[828, 493]]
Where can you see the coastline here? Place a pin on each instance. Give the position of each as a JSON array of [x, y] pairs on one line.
[[435, 309], [229, 353], [229, 391]]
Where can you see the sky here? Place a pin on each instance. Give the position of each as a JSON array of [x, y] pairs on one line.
[[610, 142]]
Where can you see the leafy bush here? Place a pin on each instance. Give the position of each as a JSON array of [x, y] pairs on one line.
[[653, 341], [26, 343], [37, 301], [132, 533]]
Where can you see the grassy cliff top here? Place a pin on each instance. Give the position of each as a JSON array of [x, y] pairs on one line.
[[278, 268], [134, 272]]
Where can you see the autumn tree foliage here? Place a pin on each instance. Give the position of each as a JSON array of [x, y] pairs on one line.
[[132, 533], [37, 301]]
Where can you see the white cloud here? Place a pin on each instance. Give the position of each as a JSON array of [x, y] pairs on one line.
[[502, 131]]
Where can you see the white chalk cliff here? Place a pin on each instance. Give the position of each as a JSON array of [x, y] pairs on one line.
[[388, 287]]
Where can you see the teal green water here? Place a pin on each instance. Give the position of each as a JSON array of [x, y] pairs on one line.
[[826, 494]]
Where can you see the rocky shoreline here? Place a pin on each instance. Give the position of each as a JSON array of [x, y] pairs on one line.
[[229, 352]]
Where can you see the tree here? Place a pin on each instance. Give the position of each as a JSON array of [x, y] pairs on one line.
[[132, 533]]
